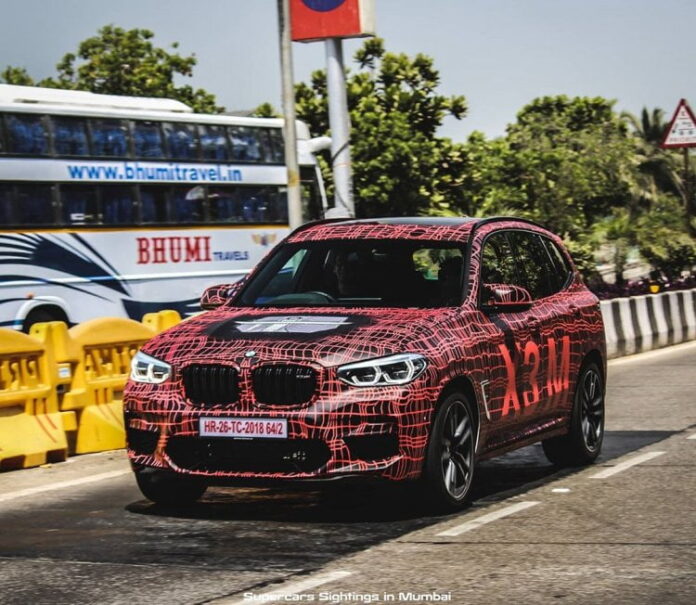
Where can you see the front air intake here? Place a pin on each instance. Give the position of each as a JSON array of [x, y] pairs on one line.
[[284, 384], [209, 384]]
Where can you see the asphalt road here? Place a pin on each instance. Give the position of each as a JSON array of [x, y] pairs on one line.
[[621, 531]]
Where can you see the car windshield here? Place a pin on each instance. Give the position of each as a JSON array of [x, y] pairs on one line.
[[360, 273]]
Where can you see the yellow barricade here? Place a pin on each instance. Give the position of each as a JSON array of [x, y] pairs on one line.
[[61, 390], [93, 364], [31, 426]]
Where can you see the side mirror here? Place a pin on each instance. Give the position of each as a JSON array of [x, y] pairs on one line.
[[216, 296], [505, 297]]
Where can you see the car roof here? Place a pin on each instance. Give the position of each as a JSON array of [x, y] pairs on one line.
[[419, 227]]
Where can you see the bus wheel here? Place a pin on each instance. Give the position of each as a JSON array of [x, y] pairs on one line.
[[41, 315]]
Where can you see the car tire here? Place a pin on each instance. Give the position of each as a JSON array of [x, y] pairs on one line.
[[168, 488], [450, 460], [583, 442]]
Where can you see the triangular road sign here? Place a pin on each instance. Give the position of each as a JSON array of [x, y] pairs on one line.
[[682, 129]]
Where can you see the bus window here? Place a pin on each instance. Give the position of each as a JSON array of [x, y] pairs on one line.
[[224, 205], [6, 214], [34, 205], [181, 140], [247, 145], [79, 205], [311, 195], [277, 148], [148, 140], [153, 204], [70, 136], [213, 142], [109, 138], [26, 134], [187, 204], [262, 204], [118, 205]]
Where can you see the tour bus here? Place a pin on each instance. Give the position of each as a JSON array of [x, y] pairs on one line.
[[119, 206]]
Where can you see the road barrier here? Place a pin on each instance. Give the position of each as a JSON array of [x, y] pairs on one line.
[[61, 389], [641, 323], [31, 427]]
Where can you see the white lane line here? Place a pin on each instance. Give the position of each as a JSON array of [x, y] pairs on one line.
[[692, 436], [61, 485], [622, 466], [651, 354], [483, 519], [284, 592]]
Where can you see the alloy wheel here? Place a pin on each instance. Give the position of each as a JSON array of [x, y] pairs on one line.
[[457, 450]]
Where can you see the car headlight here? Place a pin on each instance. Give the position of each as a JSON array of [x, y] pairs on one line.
[[395, 369], [148, 369]]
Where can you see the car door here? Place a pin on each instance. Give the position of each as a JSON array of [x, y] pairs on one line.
[[515, 383], [551, 342]]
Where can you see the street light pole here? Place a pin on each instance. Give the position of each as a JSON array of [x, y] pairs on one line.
[[339, 122], [293, 169]]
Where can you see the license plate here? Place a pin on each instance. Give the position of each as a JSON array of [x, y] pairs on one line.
[[257, 428]]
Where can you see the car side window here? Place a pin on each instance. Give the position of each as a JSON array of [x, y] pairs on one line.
[[561, 267], [537, 272], [498, 261]]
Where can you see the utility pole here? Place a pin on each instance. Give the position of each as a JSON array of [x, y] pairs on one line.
[[293, 168], [339, 123]]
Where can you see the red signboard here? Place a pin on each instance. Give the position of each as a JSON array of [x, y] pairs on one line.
[[319, 19], [682, 129]]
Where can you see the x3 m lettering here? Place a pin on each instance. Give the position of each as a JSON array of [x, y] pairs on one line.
[[557, 376]]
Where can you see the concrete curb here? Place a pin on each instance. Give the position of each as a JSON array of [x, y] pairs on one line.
[[642, 323]]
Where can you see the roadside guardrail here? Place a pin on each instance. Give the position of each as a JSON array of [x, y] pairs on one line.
[[641, 323]]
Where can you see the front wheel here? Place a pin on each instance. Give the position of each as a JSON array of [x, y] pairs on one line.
[[168, 488], [449, 466], [583, 442]]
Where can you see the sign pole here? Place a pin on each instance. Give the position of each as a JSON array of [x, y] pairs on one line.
[[293, 168], [688, 191], [339, 123]]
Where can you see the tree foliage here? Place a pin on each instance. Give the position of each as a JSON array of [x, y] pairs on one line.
[[400, 165], [123, 62], [574, 165]]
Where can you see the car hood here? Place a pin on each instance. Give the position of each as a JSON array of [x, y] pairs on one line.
[[328, 336]]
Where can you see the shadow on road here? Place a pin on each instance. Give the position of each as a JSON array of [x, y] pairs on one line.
[[496, 479]]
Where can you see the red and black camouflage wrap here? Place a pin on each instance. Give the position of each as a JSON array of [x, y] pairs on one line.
[[519, 366]]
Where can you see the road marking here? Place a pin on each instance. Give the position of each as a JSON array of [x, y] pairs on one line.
[[284, 592], [483, 519], [692, 436], [561, 490], [61, 485], [650, 354], [622, 466]]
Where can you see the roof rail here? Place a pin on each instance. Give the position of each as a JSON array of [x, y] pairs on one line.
[[495, 219]]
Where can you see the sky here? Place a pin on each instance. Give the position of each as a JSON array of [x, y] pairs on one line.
[[499, 54]]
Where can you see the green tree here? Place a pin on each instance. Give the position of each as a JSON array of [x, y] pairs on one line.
[[563, 163], [124, 62], [400, 165], [662, 168], [17, 76]]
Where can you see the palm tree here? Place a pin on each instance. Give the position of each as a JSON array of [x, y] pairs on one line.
[[661, 167]]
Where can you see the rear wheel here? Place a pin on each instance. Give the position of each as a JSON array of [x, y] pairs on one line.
[[583, 442], [449, 466], [168, 488]]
